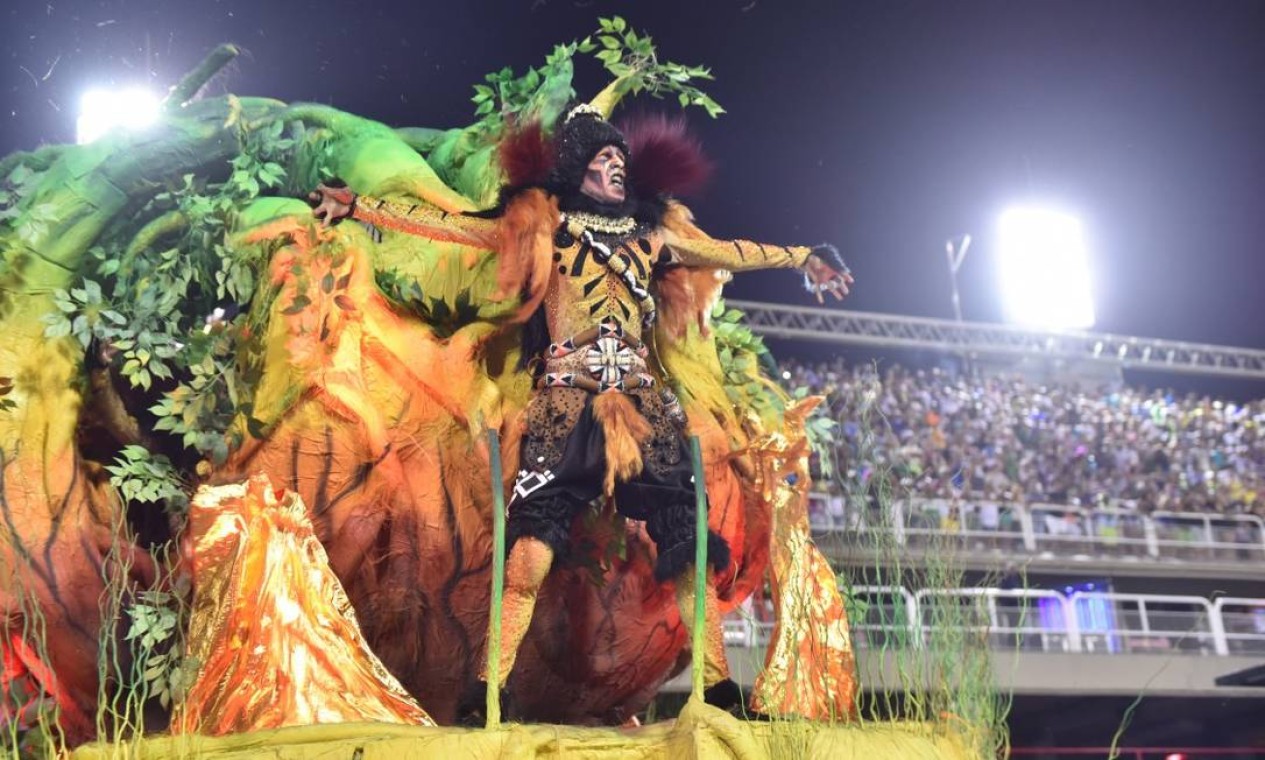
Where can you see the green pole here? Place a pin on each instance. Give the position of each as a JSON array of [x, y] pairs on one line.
[[700, 568], [498, 584]]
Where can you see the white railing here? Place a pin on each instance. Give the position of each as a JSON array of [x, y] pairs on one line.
[[1028, 619], [1242, 624], [983, 525], [1040, 620]]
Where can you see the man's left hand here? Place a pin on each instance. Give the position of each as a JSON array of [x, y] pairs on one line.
[[825, 272]]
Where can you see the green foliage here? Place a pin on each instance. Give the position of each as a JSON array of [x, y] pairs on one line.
[[26, 728], [20, 183], [741, 354], [505, 96], [30, 222], [821, 429], [629, 56], [405, 294], [633, 58], [216, 390], [148, 478], [155, 304], [156, 628], [6, 390]]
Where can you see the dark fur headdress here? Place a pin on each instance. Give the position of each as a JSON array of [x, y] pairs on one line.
[[582, 134], [663, 158]]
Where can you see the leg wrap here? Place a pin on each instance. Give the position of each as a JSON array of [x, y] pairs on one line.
[[672, 529], [715, 666], [525, 572]]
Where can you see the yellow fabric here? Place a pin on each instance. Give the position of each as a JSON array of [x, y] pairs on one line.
[[701, 732]]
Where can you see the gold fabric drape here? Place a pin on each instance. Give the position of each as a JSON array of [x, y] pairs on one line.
[[810, 668], [275, 639]]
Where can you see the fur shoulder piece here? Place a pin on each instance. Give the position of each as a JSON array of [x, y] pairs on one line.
[[664, 158], [678, 218], [526, 155]]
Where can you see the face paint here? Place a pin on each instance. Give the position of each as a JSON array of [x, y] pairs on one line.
[[604, 179]]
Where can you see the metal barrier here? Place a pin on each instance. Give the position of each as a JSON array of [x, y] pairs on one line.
[[1242, 624], [1055, 530], [1146, 623], [1041, 620], [1209, 538], [882, 616], [1036, 620]]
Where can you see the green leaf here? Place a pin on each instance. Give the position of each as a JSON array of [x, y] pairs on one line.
[[300, 303]]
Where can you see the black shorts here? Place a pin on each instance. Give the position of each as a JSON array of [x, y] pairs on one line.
[[548, 495]]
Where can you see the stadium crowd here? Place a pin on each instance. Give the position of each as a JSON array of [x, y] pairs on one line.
[[1005, 439]]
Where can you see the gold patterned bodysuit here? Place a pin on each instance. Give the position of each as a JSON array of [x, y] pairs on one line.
[[598, 307]]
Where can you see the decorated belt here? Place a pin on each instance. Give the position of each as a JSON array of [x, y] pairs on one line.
[[601, 359]]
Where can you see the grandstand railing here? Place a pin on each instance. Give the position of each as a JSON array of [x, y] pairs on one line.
[[1242, 625], [985, 525], [1041, 620]]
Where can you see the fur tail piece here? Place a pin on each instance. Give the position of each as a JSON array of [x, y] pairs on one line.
[[625, 430]]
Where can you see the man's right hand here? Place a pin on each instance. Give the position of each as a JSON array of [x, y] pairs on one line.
[[331, 203]]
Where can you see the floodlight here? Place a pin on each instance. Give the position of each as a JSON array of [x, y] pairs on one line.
[[103, 110], [1044, 269]]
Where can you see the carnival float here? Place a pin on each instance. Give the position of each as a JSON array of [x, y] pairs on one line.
[[257, 469]]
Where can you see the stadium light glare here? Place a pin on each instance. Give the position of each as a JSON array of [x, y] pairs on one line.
[[1044, 269], [103, 110]]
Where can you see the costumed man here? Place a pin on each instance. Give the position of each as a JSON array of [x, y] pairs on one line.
[[602, 423]]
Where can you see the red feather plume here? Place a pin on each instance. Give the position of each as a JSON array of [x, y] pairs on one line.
[[526, 155], [664, 157]]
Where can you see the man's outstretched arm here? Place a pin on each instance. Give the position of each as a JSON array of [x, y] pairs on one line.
[[823, 268], [331, 203]]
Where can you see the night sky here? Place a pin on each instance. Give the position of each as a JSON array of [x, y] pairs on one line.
[[884, 127]]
